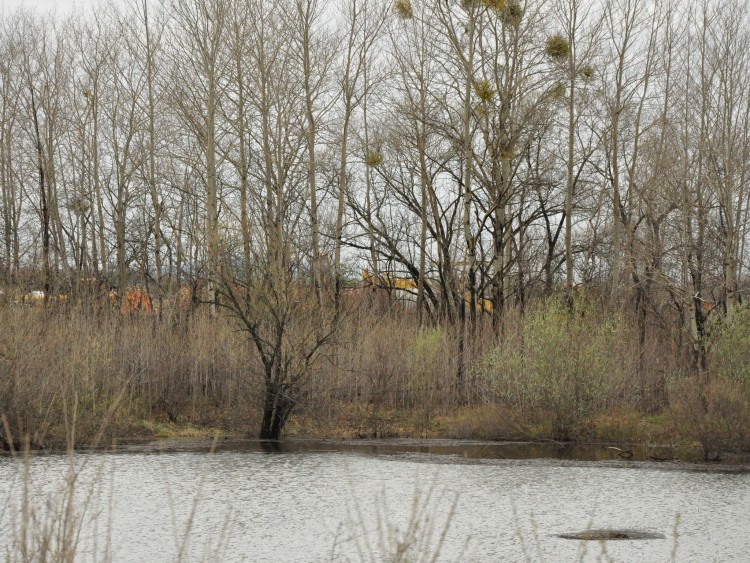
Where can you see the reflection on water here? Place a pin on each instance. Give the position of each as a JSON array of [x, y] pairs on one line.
[[466, 449], [320, 501]]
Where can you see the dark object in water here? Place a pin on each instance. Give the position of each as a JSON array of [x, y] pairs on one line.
[[604, 535]]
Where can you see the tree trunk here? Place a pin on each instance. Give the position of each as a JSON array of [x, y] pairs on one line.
[[42, 199], [306, 16], [276, 410], [152, 159]]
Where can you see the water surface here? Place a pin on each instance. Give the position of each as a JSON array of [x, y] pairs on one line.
[[322, 502]]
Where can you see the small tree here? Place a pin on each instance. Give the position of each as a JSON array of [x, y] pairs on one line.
[[288, 327]]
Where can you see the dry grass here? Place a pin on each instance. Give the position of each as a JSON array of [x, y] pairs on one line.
[[62, 369], [549, 376], [421, 538]]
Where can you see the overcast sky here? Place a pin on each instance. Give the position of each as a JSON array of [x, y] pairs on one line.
[[44, 5]]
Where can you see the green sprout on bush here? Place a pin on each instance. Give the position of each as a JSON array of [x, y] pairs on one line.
[[562, 370]]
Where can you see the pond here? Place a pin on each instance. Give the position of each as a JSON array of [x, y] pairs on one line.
[[324, 501]]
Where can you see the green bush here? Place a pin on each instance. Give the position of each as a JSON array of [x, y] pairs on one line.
[[564, 367], [714, 409], [729, 348], [427, 346]]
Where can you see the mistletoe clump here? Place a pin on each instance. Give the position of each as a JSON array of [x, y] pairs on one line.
[[403, 9], [373, 159], [586, 72], [483, 89], [557, 47]]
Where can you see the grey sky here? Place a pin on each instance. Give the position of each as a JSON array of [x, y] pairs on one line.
[[7, 6]]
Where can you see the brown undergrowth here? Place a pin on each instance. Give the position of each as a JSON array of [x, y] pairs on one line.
[[550, 375]]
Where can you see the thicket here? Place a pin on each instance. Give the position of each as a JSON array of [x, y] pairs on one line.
[[553, 372], [714, 408], [563, 368]]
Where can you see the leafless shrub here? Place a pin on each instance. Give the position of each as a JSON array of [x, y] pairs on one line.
[[713, 413]]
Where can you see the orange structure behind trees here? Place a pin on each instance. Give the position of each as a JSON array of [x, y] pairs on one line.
[[135, 300]]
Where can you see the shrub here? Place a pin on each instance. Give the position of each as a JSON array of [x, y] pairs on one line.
[[427, 345], [565, 366], [485, 423], [427, 350], [714, 409], [729, 348], [72, 378], [715, 413]]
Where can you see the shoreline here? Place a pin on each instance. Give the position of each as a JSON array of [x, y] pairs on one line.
[[443, 450]]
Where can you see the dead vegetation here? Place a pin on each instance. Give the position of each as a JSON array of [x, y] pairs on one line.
[[550, 376]]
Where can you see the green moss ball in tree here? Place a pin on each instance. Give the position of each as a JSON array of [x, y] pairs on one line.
[[403, 9], [509, 10], [559, 91], [512, 14], [586, 73], [483, 90], [373, 159], [557, 47], [497, 5]]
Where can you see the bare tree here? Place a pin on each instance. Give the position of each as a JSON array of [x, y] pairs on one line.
[[197, 39], [364, 21], [287, 324]]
